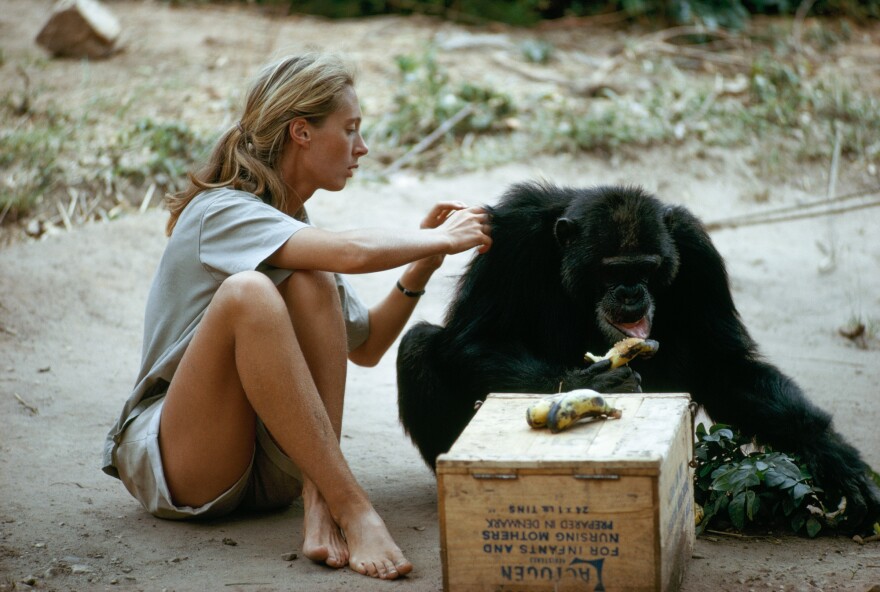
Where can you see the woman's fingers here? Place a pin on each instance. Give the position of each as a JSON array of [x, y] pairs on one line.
[[469, 228], [440, 212]]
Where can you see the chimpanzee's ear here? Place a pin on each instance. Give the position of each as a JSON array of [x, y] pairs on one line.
[[565, 231]]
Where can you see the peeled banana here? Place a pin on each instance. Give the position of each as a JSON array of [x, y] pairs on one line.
[[625, 351], [571, 407]]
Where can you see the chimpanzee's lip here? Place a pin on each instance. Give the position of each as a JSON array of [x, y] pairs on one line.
[[640, 328]]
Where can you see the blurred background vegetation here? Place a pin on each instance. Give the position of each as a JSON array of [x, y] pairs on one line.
[[712, 13], [715, 73]]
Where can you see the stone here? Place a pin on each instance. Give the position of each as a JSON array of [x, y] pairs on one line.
[[80, 29]]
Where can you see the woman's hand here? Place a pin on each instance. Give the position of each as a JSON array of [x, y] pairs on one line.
[[462, 229], [440, 212], [467, 228]]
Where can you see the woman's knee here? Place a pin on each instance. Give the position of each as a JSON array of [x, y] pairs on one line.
[[249, 291], [311, 290]]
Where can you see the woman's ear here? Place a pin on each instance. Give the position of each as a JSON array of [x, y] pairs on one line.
[[298, 129]]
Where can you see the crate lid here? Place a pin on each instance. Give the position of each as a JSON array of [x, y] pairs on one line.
[[498, 437]]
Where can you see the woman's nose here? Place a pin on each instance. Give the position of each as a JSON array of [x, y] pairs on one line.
[[361, 147]]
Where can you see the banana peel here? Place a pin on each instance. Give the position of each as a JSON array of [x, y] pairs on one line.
[[625, 351]]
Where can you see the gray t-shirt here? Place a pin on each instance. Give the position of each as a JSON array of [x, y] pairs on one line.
[[220, 232]]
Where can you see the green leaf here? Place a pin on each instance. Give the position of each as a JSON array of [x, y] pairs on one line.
[[773, 478], [788, 468], [739, 478], [797, 521], [799, 491], [753, 504], [737, 510], [813, 527]]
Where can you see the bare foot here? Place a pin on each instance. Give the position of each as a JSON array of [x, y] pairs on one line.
[[373, 551], [323, 541]]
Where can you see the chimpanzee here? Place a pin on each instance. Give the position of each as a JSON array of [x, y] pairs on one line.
[[573, 270]]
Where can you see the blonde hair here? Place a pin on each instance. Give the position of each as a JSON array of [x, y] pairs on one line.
[[246, 156]]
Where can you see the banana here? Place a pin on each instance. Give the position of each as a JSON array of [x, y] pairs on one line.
[[537, 413], [576, 405], [625, 351]]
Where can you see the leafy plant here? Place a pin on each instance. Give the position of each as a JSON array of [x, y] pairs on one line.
[[159, 150], [426, 97], [757, 488]]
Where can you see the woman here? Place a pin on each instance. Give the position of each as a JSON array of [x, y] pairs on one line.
[[240, 396]]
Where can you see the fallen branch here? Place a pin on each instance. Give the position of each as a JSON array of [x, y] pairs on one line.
[[588, 87], [660, 41], [798, 212], [33, 410], [429, 139]]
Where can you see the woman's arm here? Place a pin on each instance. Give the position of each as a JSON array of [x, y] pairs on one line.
[[389, 317], [367, 250]]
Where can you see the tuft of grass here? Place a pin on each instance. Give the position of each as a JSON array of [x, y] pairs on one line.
[[30, 157], [426, 98], [158, 151]]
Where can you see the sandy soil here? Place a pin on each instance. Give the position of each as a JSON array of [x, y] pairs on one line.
[[71, 310]]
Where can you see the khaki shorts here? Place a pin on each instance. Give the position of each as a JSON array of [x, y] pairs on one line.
[[271, 481]]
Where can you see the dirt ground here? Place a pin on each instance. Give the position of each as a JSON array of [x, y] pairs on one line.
[[71, 309]]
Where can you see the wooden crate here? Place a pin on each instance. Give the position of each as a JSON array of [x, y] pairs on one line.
[[605, 505]]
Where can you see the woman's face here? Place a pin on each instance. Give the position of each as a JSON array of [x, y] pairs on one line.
[[334, 147]]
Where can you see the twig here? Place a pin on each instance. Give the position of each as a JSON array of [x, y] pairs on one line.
[[64, 217], [5, 211], [74, 199], [145, 203], [869, 539], [835, 163], [90, 207], [730, 534], [33, 410], [430, 139], [798, 26]]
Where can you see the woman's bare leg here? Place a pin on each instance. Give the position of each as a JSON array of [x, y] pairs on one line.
[[246, 360], [313, 306]]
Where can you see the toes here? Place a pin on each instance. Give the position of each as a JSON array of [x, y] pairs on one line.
[[387, 570], [359, 567], [334, 561]]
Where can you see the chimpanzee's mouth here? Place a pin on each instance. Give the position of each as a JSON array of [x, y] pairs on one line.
[[640, 328]]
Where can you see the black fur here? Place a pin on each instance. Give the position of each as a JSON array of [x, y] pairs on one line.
[[574, 270]]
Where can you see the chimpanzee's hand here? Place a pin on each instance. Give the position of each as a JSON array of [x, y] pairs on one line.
[[599, 378]]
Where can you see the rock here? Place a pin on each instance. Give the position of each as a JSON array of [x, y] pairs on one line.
[[80, 29]]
